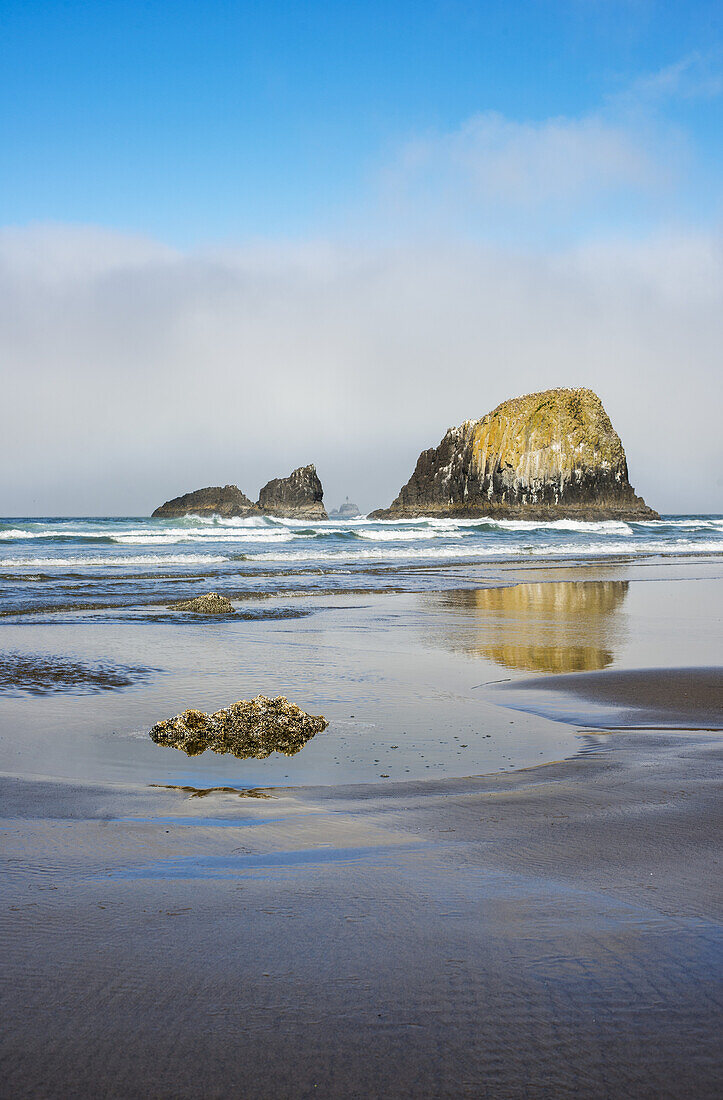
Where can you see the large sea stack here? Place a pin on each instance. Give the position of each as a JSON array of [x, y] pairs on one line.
[[298, 496], [547, 455], [216, 500]]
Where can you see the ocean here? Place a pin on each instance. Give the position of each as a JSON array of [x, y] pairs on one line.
[[72, 564]]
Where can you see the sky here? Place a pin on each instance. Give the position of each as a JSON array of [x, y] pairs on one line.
[[239, 237]]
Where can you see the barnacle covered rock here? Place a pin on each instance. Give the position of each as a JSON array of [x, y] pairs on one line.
[[208, 604], [249, 728]]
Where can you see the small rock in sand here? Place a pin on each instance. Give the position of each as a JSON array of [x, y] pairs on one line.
[[248, 728], [208, 604]]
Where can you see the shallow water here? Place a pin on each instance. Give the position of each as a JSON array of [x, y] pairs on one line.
[[406, 680], [399, 704]]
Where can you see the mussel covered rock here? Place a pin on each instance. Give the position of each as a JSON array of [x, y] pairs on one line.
[[249, 728], [208, 604]]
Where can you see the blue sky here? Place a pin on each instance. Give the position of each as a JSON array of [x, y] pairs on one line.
[[208, 121], [236, 238]]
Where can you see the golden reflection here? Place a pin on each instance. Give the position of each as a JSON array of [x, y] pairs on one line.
[[568, 626]]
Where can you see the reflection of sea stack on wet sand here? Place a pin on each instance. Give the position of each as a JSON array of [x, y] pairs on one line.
[[544, 627]]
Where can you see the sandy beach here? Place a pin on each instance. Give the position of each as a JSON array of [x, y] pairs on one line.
[[536, 931], [550, 933]]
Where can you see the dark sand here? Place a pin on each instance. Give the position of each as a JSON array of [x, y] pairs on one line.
[[548, 933], [681, 698]]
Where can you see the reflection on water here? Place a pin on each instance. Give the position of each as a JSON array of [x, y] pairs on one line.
[[548, 627], [246, 746], [203, 792]]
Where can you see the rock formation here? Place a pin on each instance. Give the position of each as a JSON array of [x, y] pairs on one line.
[[298, 496], [210, 603], [347, 510], [547, 455], [248, 728], [216, 500]]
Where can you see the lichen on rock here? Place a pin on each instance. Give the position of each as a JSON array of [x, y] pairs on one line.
[[545, 455], [250, 728], [210, 603]]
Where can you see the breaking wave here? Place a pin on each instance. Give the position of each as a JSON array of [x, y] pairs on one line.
[[130, 559], [194, 541]]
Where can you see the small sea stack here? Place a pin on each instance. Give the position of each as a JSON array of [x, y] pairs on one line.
[[298, 496], [347, 510], [549, 455], [217, 500]]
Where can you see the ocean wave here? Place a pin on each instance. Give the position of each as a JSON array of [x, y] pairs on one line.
[[605, 526], [177, 537], [138, 559], [408, 535], [694, 523], [56, 536], [217, 521], [491, 550], [86, 543]]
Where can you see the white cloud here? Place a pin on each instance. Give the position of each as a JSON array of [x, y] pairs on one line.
[[132, 373], [695, 76], [626, 162], [492, 159]]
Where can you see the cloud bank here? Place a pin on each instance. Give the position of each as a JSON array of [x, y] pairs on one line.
[[134, 371]]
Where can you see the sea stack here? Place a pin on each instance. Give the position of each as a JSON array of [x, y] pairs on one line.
[[347, 510], [549, 455], [216, 500], [298, 496]]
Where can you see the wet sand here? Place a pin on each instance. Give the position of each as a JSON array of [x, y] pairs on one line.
[[548, 933], [193, 932], [682, 698]]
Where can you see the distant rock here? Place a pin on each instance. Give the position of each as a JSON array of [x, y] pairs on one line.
[[298, 496], [547, 455], [216, 500], [248, 728], [208, 604], [347, 510]]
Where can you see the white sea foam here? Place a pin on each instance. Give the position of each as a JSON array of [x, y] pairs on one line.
[[145, 559], [606, 526], [265, 539], [490, 550], [176, 537], [409, 535]]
